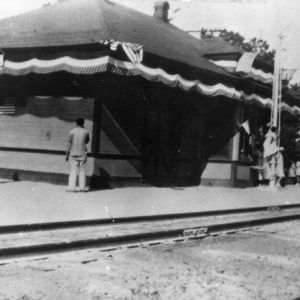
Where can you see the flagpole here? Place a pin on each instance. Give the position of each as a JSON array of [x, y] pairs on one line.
[[276, 107], [276, 85]]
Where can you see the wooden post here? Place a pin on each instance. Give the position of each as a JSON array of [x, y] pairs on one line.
[[236, 147], [97, 120], [236, 139]]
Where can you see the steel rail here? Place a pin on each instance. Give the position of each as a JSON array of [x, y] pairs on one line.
[[153, 237], [134, 219]]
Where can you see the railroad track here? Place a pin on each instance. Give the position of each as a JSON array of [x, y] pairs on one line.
[[135, 219], [112, 233]]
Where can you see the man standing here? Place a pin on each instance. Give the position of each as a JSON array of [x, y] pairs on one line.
[[77, 141]]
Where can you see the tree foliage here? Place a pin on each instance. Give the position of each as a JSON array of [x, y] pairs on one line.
[[260, 46], [295, 87], [289, 123]]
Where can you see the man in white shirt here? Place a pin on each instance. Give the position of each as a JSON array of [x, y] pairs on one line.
[[77, 150]]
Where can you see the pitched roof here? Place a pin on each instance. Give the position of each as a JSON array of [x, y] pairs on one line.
[[216, 45], [75, 22]]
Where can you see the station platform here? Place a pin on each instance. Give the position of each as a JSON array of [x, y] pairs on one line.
[[24, 202]]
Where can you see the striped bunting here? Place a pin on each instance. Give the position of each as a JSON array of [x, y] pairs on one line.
[[257, 74], [230, 64], [260, 75], [125, 68], [245, 62], [8, 106]]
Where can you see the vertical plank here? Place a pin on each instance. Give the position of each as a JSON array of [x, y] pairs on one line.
[[97, 120]]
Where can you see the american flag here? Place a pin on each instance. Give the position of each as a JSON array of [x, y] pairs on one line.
[[8, 106], [245, 62]]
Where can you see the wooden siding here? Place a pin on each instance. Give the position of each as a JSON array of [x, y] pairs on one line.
[[113, 139], [217, 171], [118, 168], [38, 162], [44, 123]]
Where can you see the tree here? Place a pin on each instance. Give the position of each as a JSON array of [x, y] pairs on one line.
[[261, 47], [295, 87], [235, 39]]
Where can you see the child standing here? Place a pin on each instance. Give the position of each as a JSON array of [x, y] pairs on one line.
[[292, 173]]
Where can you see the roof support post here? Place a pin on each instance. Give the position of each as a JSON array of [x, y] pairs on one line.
[[97, 120], [236, 139]]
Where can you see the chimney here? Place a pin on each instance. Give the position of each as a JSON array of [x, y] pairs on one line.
[[161, 11]]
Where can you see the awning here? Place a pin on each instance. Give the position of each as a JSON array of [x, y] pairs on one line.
[[108, 63], [171, 56]]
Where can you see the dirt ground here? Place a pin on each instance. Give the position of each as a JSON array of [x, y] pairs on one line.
[[262, 263], [50, 203]]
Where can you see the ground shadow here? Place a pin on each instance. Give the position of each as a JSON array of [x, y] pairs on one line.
[[103, 181]]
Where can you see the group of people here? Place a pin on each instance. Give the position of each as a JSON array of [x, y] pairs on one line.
[[271, 166], [294, 173]]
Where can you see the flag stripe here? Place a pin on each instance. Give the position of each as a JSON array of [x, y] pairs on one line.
[[8, 107], [246, 61]]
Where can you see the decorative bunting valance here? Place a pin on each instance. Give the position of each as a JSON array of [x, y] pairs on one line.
[[127, 68], [257, 74], [245, 65]]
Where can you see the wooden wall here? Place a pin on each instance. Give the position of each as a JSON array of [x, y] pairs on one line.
[[44, 123], [34, 138]]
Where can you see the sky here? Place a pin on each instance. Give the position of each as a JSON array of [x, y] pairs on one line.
[[251, 18]]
